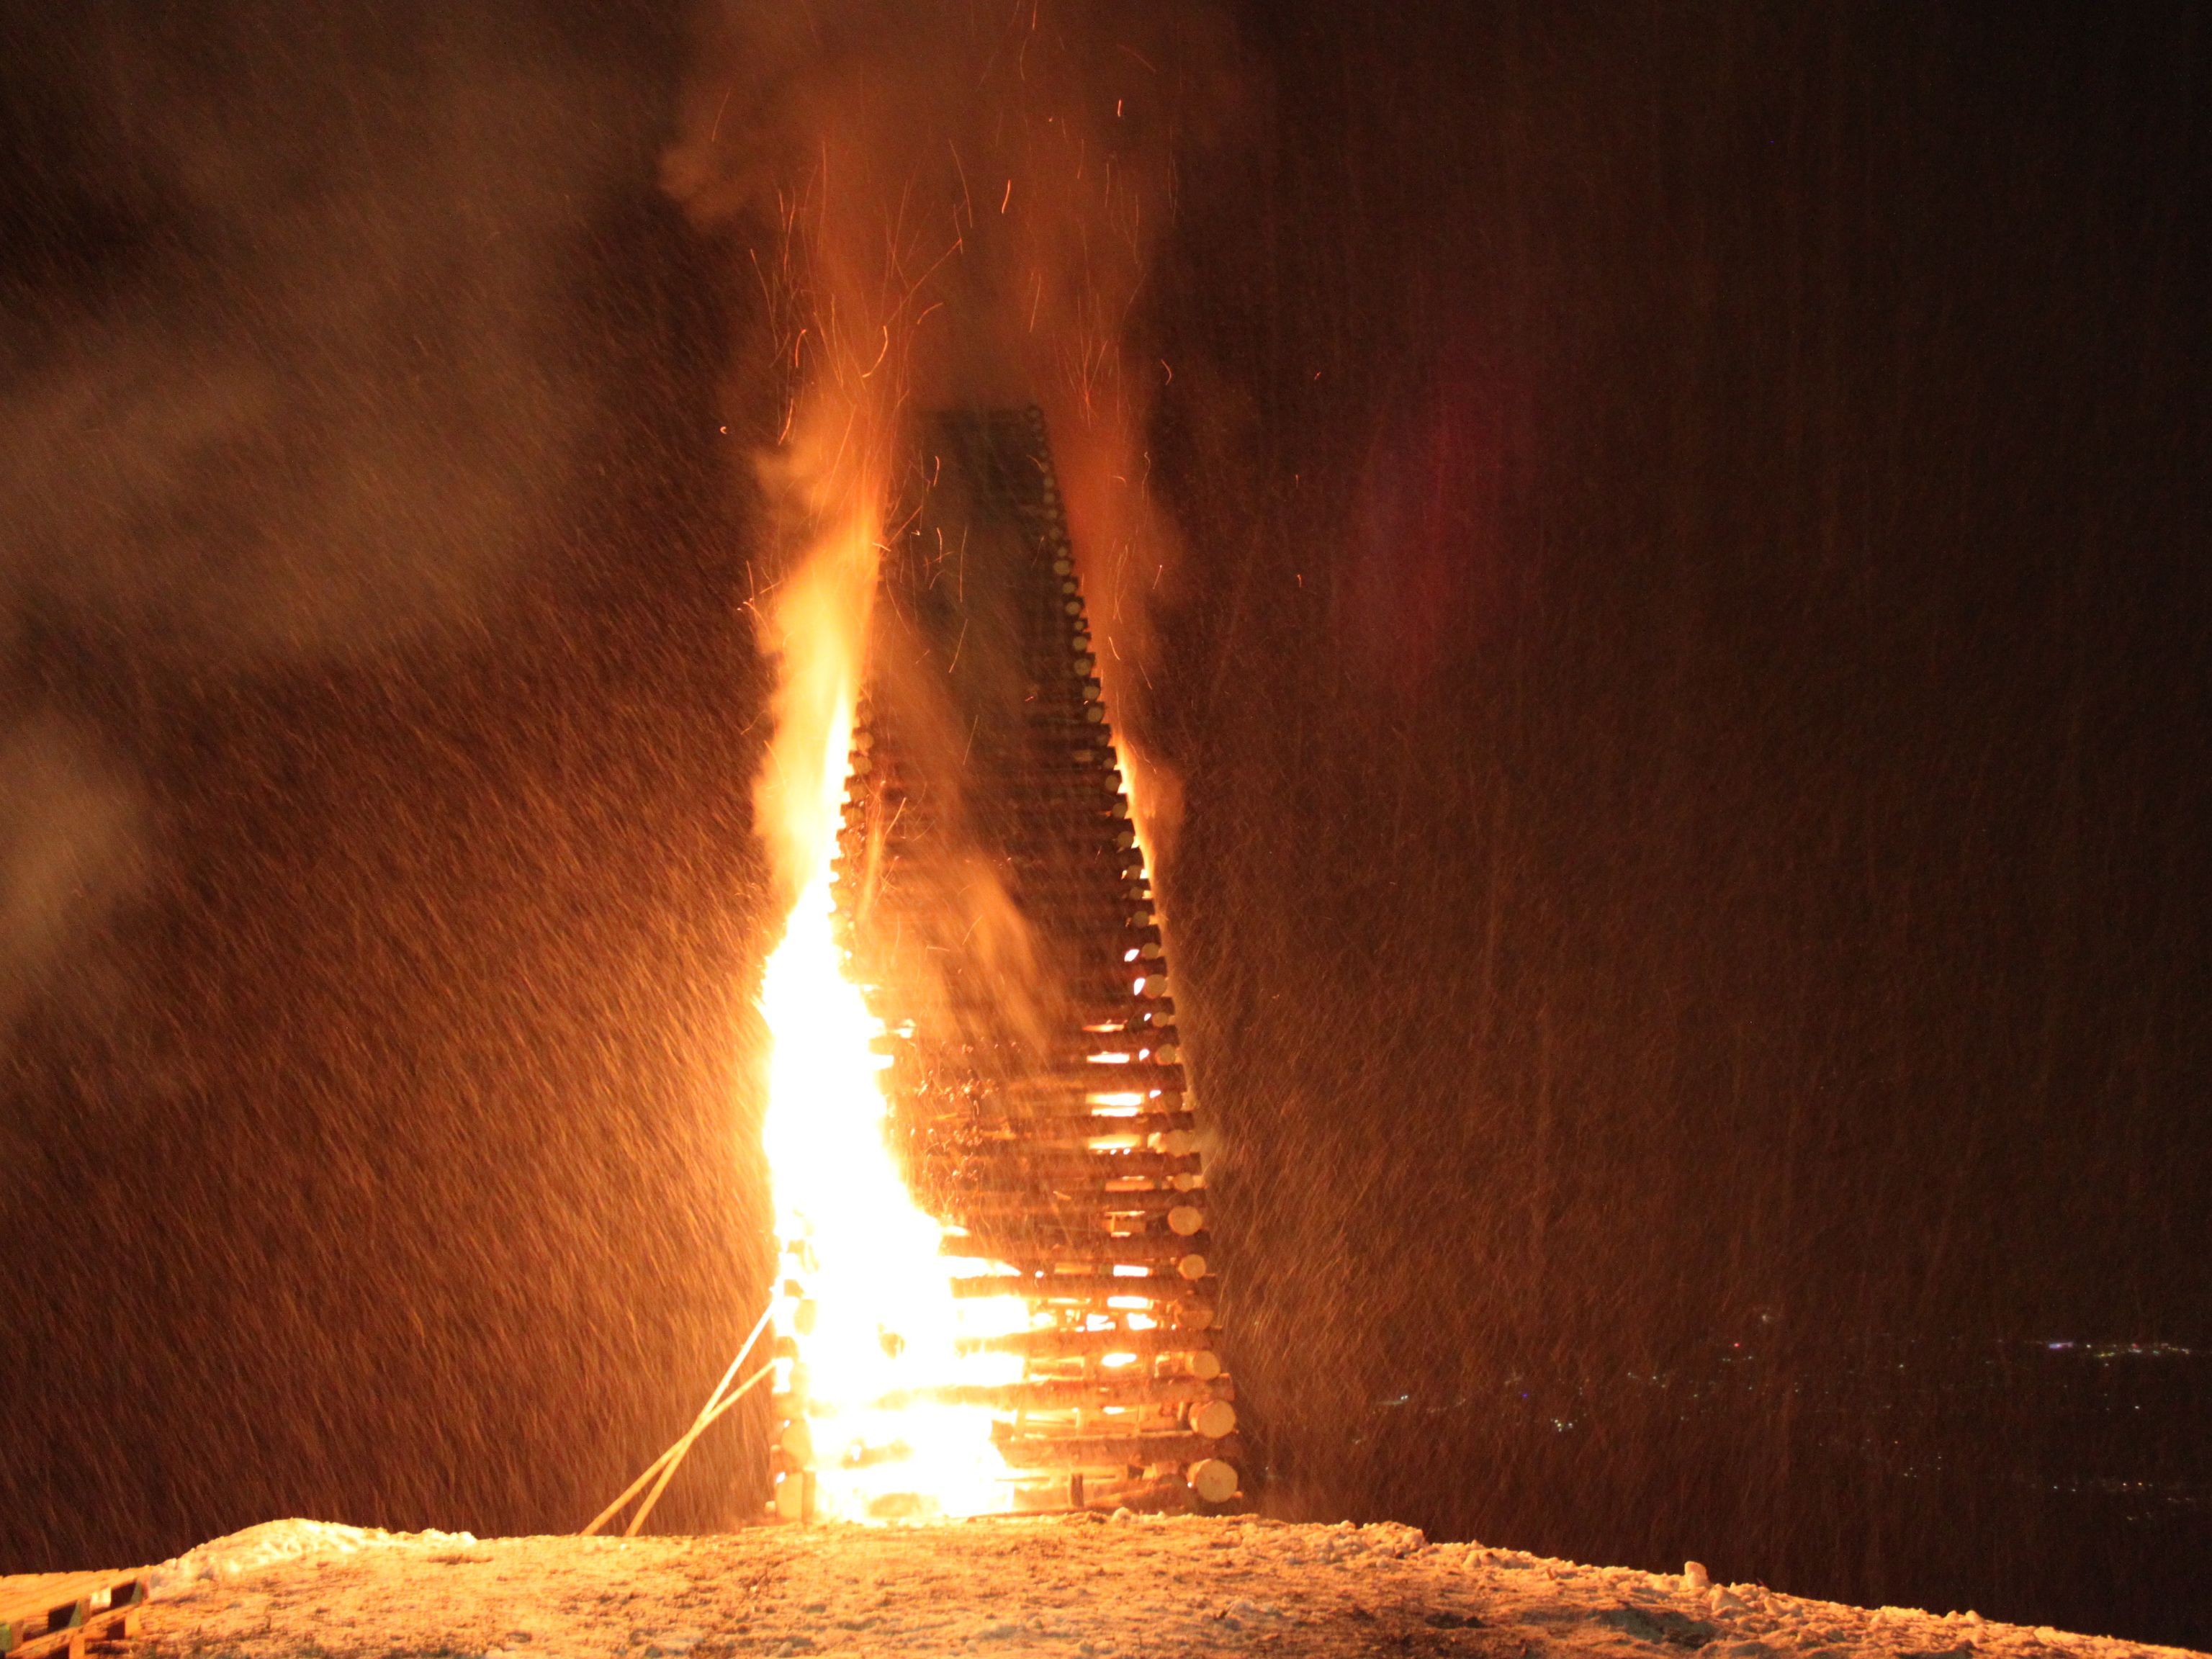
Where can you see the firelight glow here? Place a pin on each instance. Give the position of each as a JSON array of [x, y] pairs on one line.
[[872, 1369]]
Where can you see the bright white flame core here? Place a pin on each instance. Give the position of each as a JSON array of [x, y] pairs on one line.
[[874, 1321]]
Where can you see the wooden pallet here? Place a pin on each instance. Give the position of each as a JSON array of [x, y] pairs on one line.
[[46, 1615]]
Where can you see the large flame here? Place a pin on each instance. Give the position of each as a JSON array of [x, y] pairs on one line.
[[878, 140], [871, 1370]]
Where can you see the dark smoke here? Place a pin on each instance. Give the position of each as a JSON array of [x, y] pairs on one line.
[[374, 745], [285, 378]]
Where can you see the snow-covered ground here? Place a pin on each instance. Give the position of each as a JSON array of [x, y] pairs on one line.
[[1078, 1586]]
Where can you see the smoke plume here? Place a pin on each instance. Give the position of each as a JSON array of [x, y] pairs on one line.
[[949, 205], [284, 375]]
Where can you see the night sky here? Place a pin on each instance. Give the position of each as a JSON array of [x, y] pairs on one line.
[[1688, 665]]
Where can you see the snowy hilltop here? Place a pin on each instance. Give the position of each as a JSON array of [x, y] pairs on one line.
[[1081, 1585]]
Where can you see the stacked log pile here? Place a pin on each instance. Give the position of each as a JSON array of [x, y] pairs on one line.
[[998, 910]]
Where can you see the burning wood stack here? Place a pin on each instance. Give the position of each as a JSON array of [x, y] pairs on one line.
[[996, 909]]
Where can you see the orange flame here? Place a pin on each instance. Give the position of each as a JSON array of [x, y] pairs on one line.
[[871, 1356], [857, 132]]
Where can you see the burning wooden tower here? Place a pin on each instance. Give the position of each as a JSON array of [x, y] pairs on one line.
[[997, 913]]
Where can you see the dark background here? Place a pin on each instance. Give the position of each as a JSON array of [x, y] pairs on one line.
[[1690, 673]]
